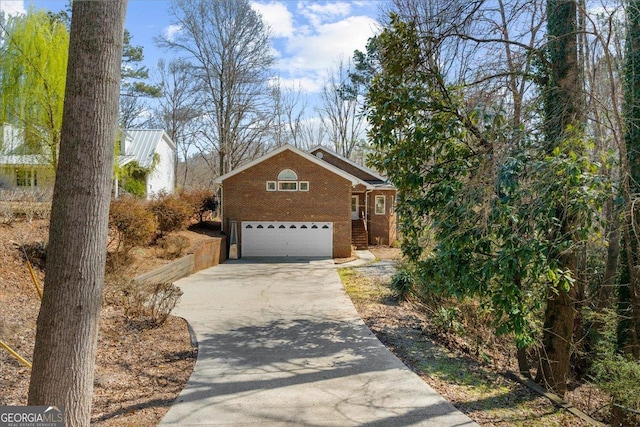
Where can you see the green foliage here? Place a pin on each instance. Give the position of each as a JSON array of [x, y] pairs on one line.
[[172, 212], [133, 74], [492, 216], [133, 176], [33, 71], [133, 224], [402, 283], [631, 108], [620, 377], [445, 319]]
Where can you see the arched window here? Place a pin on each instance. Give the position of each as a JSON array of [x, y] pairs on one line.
[[287, 175], [287, 180]]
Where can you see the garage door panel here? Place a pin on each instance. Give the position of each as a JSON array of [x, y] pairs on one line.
[[303, 239]]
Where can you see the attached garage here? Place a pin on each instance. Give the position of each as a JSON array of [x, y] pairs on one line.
[[283, 239]]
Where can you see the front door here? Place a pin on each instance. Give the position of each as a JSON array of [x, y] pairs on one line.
[[355, 211]]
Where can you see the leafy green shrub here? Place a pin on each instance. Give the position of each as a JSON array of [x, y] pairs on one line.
[[620, 377], [135, 187], [173, 246], [132, 224], [402, 283], [445, 319], [172, 213]]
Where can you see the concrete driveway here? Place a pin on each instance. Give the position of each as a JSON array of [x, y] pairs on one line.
[[280, 343]]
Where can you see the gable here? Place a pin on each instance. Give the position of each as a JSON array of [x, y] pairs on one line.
[[283, 167], [296, 156]]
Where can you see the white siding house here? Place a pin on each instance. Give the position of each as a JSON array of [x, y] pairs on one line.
[[143, 145], [21, 171]]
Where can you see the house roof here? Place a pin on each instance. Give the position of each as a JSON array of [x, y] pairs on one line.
[[354, 180], [140, 145], [364, 169]]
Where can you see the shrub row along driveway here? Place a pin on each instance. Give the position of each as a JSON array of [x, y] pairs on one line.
[[280, 343]]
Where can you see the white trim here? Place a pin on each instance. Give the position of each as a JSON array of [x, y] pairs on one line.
[[355, 214], [354, 180], [384, 205], [275, 186], [305, 183]]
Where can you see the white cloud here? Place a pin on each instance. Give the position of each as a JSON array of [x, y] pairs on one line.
[[317, 14], [171, 31], [311, 36], [311, 55], [304, 84], [277, 17], [12, 7]]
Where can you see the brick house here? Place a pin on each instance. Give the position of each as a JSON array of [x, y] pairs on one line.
[[308, 204]]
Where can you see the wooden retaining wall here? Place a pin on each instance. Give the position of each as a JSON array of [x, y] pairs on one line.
[[207, 253]]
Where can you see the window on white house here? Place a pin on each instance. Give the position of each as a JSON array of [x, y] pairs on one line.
[[271, 186], [26, 178], [380, 205], [304, 186]]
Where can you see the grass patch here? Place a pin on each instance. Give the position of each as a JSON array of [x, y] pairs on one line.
[[360, 289]]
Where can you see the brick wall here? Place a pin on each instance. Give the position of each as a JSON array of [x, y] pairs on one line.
[[245, 198], [382, 226]]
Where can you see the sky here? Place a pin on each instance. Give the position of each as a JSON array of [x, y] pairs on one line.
[[309, 36]]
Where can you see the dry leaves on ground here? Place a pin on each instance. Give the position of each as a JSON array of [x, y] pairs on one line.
[[139, 370]]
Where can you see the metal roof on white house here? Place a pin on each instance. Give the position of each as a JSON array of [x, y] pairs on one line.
[[140, 145]]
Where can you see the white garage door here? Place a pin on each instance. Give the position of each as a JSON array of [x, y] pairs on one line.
[[301, 239]]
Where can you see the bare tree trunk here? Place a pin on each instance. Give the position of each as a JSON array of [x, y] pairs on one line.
[[67, 328]]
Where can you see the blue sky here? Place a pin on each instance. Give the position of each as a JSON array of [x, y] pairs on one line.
[[309, 36]]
